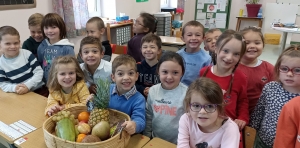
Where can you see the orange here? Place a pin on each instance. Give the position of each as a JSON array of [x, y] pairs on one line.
[[83, 116], [80, 137]]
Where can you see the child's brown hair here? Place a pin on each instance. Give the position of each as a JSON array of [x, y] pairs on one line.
[[149, 21], [4, 30], [98, 21], [53, 19], [192, 23], [90, 40], [52, 83], [292, 51], [212, 30], [150, 37], [208, 90], [256, 30], [35, 19], [123, 59]]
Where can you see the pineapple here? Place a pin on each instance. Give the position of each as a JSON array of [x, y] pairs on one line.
[[100, 103]]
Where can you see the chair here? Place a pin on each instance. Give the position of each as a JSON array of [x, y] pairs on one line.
[[249, 136], [118, 49]]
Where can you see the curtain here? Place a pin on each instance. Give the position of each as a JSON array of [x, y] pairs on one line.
[[75, 14]]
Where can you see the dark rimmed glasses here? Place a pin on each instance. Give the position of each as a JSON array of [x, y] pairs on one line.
[[210, 108], [285, 69]]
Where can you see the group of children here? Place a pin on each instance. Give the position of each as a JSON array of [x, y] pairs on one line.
[[164, 96]]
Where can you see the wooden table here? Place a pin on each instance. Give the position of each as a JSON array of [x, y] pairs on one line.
[[172, 41], [29, 107], [36, 140], [159, 143], [240, 19]]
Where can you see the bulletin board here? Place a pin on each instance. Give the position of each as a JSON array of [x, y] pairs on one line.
[[17, 4], [213, 13]]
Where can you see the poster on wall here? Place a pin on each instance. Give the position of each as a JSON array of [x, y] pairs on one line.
[[138, 1], [17, 4]]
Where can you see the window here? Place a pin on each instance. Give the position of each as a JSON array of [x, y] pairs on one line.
[[94, 8]]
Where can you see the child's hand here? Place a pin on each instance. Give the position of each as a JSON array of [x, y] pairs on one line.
[[22, 89], [90, 97], [92, 89], [54, 109], [129, 127], [146, 91], [241, 124]]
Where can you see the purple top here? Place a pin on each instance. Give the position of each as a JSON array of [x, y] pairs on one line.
[[134, 47]]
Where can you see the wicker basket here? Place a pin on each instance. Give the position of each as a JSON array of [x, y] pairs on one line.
[[52, 141]]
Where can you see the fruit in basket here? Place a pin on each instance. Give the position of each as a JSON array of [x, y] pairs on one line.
[[65, 127], [101, 130], [80, 137], [100, 103], [90, 139], [83, 128], [83, 117]]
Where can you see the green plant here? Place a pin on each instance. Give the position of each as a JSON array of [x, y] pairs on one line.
[[252, 1]]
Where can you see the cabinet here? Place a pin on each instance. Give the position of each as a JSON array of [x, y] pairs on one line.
[[119, 33]]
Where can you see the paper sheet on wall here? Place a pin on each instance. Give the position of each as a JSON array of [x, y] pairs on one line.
[[220, 24], [202, 22], [209, 15], [209, 1], [200, 4], [211, 8], [201, 16], [221, 16], [221, 4]]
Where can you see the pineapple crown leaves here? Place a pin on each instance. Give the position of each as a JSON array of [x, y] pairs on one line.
[[101, 100], [252, 1]]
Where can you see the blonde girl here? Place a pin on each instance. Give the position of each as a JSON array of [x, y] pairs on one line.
[[204, 123], [66, 85], [164, 104], [275, 94], [258, 72], [55, 44], [233, 82]]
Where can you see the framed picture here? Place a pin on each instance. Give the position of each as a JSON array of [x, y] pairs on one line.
[[17, 4]]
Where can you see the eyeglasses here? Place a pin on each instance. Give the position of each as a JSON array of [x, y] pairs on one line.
[[210, 108], [137, 23], [285, 69]]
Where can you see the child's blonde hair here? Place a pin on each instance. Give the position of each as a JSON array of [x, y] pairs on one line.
[[209, 90], [256, 30], [53, 19], [192, 23], [35, 19], [98, 21], [123, 59], [52, 83], [292, 51]]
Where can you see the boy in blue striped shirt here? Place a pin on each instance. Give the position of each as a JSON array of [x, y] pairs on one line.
[[19, 69]]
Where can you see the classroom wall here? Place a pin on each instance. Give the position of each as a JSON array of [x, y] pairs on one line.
[[133, 9], [18, 18]]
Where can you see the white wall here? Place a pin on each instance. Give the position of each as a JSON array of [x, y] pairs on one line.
[[18, 18], [133, 9]]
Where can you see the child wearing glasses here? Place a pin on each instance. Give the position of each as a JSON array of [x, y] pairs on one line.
[[275, 95], [204, 124], [144, 24]]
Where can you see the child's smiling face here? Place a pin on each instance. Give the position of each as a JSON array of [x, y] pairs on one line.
[[125, 77]]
